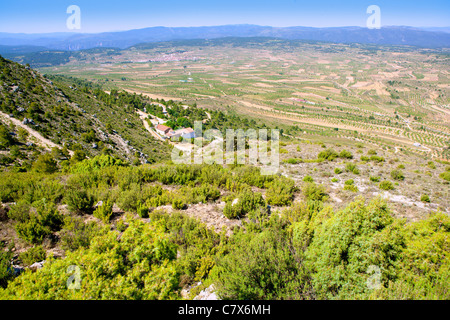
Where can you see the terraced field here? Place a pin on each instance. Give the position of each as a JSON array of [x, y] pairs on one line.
[[396, 96]]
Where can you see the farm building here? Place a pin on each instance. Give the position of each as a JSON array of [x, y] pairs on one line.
[[162, 129]]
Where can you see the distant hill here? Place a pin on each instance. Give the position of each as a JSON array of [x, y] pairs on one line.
[[429, 38]]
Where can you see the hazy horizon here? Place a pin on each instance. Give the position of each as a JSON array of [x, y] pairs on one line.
[[205, 26], [30, 17]]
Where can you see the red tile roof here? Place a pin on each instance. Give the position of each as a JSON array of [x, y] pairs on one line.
[[162, 128]]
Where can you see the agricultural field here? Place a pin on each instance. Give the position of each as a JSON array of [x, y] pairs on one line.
[[395, 97]]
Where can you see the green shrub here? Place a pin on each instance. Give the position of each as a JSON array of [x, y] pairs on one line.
[[374, 179], [346, 154], [238, 205], [178, 204], [293, 161], [377, 159], [349, 182], [79, 200], [431, 165], [400, 166], [445, 175], [281, 192], [397, 175], [32, 231], [32, 255], [5, 264], [348, 243], [45, 163], [386, 185], [76, 234], [372, 152], [351, 167], [141, 265], [20, 212], [314, 192], [121, 226], [104, 212], [364, 158], [351, 188], [335, 180], [425, 198], [142, 211], [46, 220], [262, 266], [328, 154], [338, 170], [308, 179]]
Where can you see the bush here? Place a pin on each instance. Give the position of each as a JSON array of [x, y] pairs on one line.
[[178, 204], [32, 231], [445, 175], [335, 180], [365, 158], [346, 154], [281, 192], [349, 182], [142, 211], [32, 255], [6, 139], [141, 265], [348, 243], [308, 179], [121, 226], [262, 266], [20, 212], [397, 175], [351, 188], [79, 200], [328, 154], [314, 192], [372, 152], [76, 234], [5, 265], [238, 205], [104, 212], [374, 179], [377, 159], [293, 161], [46, 220], [45, 164], [386, 185], [425, 198], [351, 167], [338, 170]]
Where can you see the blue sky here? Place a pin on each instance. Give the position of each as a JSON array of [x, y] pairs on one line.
[[39, 16]]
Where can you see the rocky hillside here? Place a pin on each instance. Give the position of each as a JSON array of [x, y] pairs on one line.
[[71, 115]]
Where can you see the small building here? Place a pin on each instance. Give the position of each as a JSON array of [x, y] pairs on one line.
[[185, 133], [162, 129]]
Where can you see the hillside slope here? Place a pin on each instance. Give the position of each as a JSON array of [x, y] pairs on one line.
[[67, 112]]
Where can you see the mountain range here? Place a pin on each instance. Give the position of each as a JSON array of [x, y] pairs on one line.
[[391, 35]]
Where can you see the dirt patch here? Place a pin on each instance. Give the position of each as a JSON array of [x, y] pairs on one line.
[[209, 214]]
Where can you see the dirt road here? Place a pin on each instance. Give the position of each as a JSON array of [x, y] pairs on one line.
[[40, 140]]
